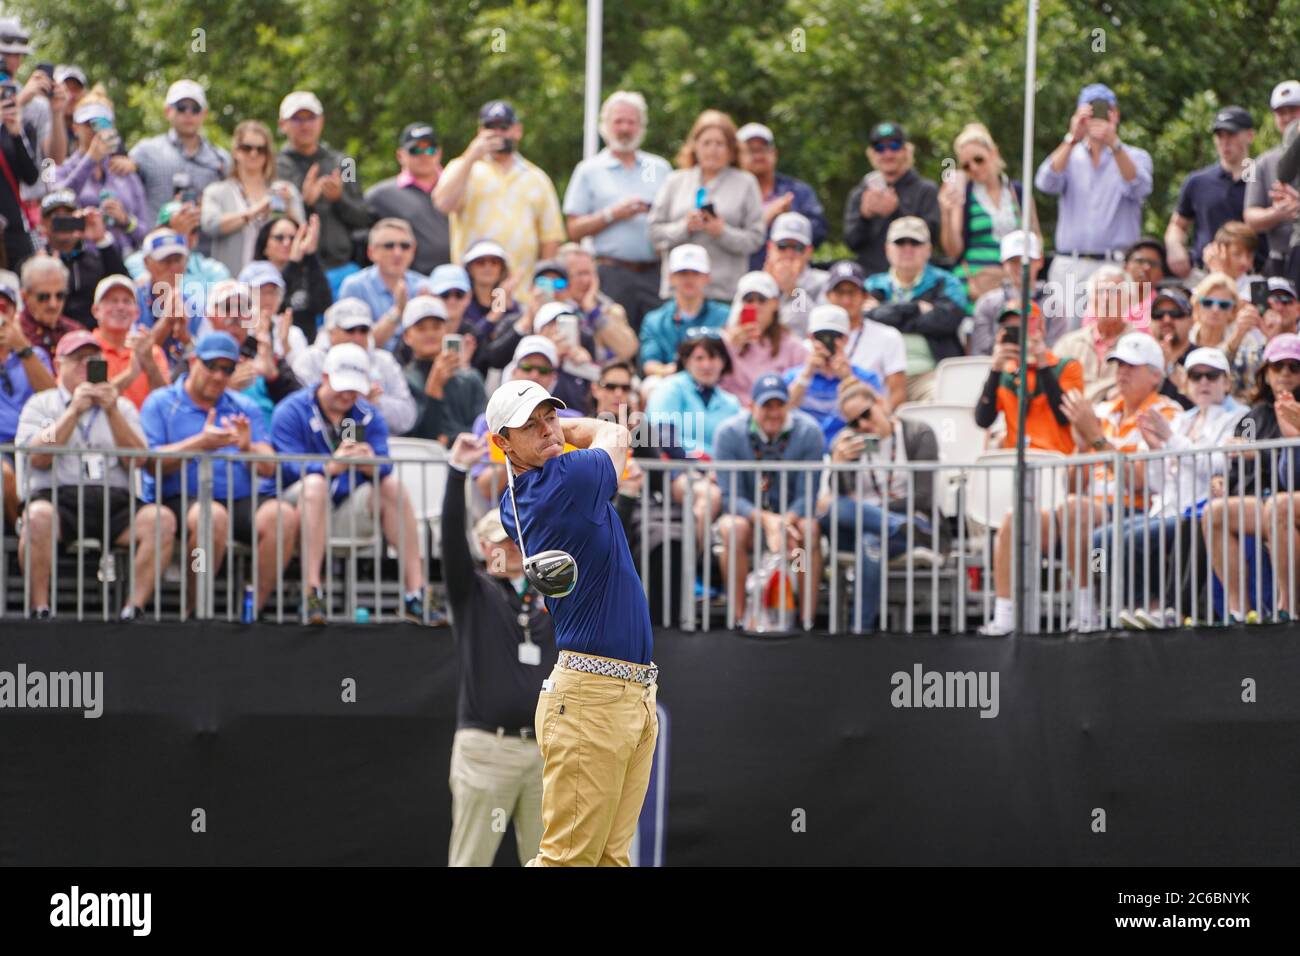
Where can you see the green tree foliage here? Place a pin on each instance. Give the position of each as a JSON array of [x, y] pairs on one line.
[[820, 72]]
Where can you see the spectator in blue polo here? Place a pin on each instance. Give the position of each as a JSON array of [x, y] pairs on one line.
[[1214, 195], [815, 386], [663, 328], [781, 193], [200, 413], [390, 283]]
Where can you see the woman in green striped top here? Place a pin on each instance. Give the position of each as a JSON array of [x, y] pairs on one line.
[[979, 205]]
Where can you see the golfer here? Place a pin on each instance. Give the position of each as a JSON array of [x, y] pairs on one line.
[[596, 719]]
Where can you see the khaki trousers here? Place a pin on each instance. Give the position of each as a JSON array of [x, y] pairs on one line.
[[493, 779], [597, 739]]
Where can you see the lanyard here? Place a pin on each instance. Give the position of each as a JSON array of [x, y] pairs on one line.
[[524, 617]]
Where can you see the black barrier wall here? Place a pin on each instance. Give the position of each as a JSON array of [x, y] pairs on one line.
[[782, 751]]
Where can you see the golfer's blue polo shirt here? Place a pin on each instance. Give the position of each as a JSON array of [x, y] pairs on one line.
[[565, 505]]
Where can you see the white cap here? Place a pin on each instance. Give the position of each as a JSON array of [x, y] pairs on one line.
[[1286, 93], [118, 281], [754, 131], [348, 314], [536, 345], [828, 318], [69, 71], [792, 225], [186, 90], [89, 111], [348, 367], [300, 100], [550, 312], [162, 243], [423, 307], [225, 290], [761, 282], [1213, 358], [1138, 348], [689, 258], [512, 403], [1013, 245], [482, 249]]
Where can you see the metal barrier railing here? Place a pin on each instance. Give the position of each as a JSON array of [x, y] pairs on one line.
[[1201, 534]]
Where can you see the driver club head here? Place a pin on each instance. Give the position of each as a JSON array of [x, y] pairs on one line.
[[553, 573]]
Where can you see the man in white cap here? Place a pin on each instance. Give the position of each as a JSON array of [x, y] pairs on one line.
[[597, 712], [789, 262], [448, 396], [136, 362], [1272, 206], [990, 306], [181, 161], [326, 178], [349, 320], [663, 328], [335, 419], [781, 193], [814, 386]]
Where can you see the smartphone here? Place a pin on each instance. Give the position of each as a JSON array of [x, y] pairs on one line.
[[568, 325], [8, 92], [277, 203], [358, 432], [876, 180], [1011, 335], [1259, 293], [828, 339], [96, 371], [870, 445], [453, 343], [189, 195], [748, 314], [67, 224], [46, 68], [1100, 108], [708, 208]]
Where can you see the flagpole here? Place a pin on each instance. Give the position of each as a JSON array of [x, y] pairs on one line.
[[595, 18]]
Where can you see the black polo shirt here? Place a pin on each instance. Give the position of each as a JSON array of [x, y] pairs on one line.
[[1211, 198]]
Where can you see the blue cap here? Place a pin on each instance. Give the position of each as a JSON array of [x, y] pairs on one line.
[[1097, 91], [448, 277], [217, 345], [259, 272], [768, 387]]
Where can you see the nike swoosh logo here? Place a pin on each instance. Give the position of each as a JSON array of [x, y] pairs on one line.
[[523, 392]]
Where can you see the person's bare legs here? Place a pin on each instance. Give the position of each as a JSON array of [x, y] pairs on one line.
[[274, 521], [1281, 517], [742, 530], [1242, 518], [1004, 543], [154, 525], [313, 500], [400, 529], [220, 529], [9, 481], [37, 540]]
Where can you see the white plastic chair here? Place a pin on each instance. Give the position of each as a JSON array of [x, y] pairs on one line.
[[960, 381], [960, 442], [425, 483], [991, 492]]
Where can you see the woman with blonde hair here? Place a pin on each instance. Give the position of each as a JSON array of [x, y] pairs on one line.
[[1223, 321], [235, 208], [979, 205], [711, 202]]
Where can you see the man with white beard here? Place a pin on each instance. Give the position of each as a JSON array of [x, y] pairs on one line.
[[608, 198]]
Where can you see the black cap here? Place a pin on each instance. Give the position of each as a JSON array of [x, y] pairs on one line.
[[1234, 119], [882, 131], [497, 112], [1148, 242], [846, 270], [417, 133], [550, 265], [1175, 295]]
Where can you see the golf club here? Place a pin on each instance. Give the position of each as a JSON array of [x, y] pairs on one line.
[[553, 573]]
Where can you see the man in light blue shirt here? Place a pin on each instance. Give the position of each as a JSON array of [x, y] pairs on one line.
[[608, 198], [390, 282], [1102, 184]]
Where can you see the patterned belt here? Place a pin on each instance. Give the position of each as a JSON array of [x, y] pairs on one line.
[[638, 673]]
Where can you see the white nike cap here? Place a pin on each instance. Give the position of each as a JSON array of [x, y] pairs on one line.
[[512, 403]]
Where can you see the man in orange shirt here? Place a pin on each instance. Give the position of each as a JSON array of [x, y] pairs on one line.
[[136, 363], [1046, 425]]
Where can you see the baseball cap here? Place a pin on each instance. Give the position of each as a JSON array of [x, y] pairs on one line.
[[69, 71], [417, 133], [259, 272], [792, 225], [1285, 346], [186, 90], [223, 292], [883, 131], [1213, 358], [536, 345], [1281, 284], [13, 38], [689, 258], [85, 112], [760, 282], [549, 313], [1012, 310], [490, 528], [216, 345], [497, 111], [298, 101], [908, 227], [1097, 91], [551, 265], [348, 366], [484, 248], [107, 283], [512, 403], [1176, 296], [423, 307], [754, 131], [76, 340], [1138, 348], [1286, 93], [162, 243], [768, 387], [846, 270], [9, 288], [447, 277], [59, 199], [348, 313], [1147, 242], [828, 318], [1014, 245], [167, 210], [1233, 119]]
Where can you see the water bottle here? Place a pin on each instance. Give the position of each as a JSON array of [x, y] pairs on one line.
[[249, 600], [107, 569], [363, 615]]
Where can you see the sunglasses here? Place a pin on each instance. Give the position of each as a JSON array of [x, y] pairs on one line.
[[453, 294], [251, 148], [864, 417], [791, 246], [973, 162], [184, 107], [404, 245], [422, 150], [1286, 365], [362, 330], [1168, 314], [1281, 298], [754, 298], [616, 386], [888, 146], [47, 296], [218, 367], [536, 369], [1222, 304], [280, 237], [1207, 376]]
